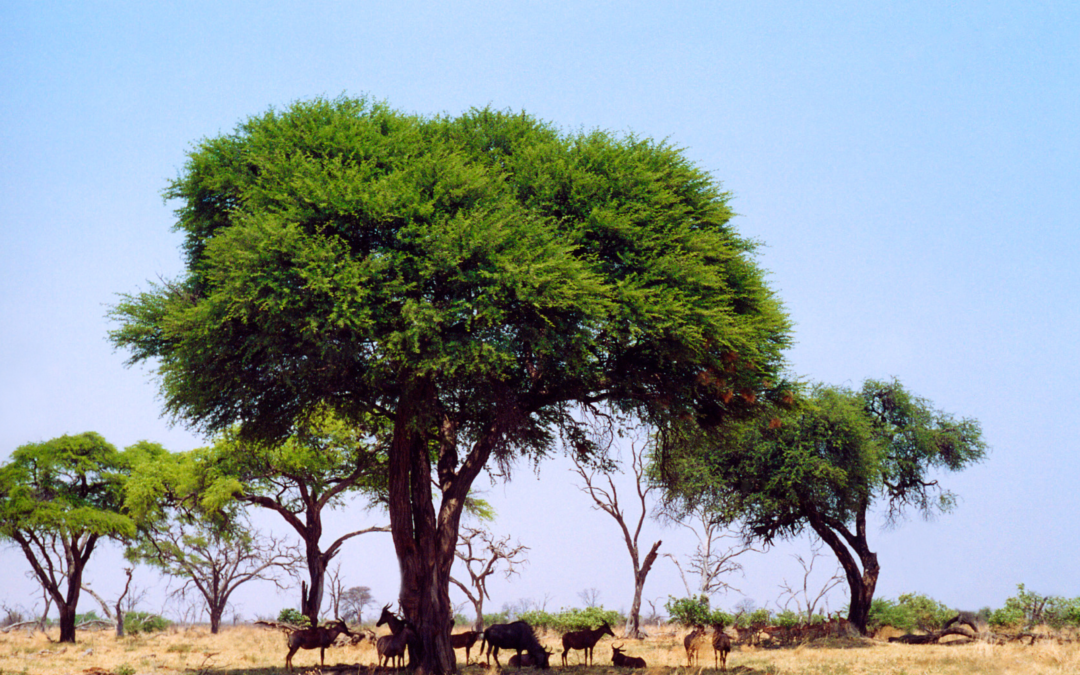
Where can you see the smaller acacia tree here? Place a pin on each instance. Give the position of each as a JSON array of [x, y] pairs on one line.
[[58, 500], [354, 599], [821, 465], [301, 478], [481, 553]]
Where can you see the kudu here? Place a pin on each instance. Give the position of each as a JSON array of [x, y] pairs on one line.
[[585, 640], [721, 644], [621, 660], [694, 641], [319, 637]]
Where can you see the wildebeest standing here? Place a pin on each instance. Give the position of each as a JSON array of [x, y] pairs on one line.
[[585, 640], [518, 636], [620, 660]]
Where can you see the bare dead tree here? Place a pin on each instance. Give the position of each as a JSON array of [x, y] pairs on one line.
[[600, 487], [482, 553], [807, 598], [335, 588], [212, 563], [716, 557], [118, 616], [590, 597]]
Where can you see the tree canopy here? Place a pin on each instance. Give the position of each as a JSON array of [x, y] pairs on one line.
[[58, 499], [823, 463], [471, 280]]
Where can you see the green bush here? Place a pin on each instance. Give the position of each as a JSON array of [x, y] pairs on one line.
[[498, 617], [1028, 608], [696, 612], [572, 619], [293, 616], [758, 617], [144, 622], [909, 612]]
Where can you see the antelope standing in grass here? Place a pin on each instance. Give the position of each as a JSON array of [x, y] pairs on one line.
[[584, 639], [465, 641], [694, 641], [721, 644], [393, 646], [319, 637]]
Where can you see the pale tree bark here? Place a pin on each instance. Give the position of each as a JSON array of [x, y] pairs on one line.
[[712, 561], [600, 487], [118, 616], [808, 597], [481, 553]]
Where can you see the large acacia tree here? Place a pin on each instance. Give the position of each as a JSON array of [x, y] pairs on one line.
[[472, 280], [823, 464]]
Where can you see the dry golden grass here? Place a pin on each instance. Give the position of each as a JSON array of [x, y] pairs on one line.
[[260, 651]]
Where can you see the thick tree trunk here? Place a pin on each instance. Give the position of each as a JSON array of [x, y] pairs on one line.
[[424, 542], [312, 594], [67, 622], [215, 619], [425, 577], [861, 582]]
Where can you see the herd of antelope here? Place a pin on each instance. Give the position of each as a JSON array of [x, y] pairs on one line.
[[520, 638]]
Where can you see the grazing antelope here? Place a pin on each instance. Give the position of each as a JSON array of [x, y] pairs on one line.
[[721, 644], [518, 636], [694, 641], [319, 637], [620, 660], [465, 641], [584, 639]]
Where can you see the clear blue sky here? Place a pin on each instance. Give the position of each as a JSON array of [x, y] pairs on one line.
[[911, 168]]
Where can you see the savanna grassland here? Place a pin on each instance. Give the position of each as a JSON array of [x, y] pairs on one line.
[[249, 650]]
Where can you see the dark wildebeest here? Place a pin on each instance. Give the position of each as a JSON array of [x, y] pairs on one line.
[[721, 644], [465, 641], [620, 660], [518, 636], [584, 639], [693, 642], [319, 637]]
